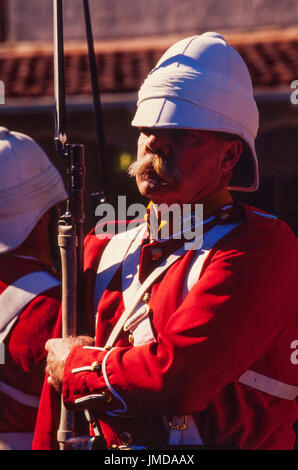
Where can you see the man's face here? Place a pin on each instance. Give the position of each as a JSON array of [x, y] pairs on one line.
[[182, 165]]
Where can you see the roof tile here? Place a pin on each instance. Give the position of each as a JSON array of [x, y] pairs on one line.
[[28, 72]]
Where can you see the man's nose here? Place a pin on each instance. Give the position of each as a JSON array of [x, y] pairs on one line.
[[156, 143]]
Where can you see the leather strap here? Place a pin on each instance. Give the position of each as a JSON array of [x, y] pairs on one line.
[[268, 385], [212, 237], [19, 396], [16, 296]]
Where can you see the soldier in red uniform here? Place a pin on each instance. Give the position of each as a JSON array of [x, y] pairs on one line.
[[194, 345], [30, 294]]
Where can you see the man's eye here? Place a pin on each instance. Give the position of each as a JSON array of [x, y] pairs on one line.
[[180, 132], [187, 137]]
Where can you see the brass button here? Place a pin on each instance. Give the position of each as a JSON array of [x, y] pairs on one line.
[[130, 339], [223, 216], [156, 253], [107, 397], [148, 310], [95, 366], [125, 438], [146, 297]]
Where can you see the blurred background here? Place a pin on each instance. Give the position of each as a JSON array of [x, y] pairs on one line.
[[129, 39]]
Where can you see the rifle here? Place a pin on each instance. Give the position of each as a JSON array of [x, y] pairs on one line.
[[70, 226]]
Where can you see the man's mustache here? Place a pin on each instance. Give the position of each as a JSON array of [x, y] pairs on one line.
[[157, 164]]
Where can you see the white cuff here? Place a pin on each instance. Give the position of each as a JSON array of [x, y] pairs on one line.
[[105, 376]]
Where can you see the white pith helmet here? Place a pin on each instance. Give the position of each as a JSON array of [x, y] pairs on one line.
[[29, 186], [201, 82]]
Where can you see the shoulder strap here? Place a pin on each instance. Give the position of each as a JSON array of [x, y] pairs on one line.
[[16, 296], [112, 257], [212, 237], [144, 287]]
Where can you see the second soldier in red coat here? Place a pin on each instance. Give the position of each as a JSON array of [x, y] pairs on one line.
[[30, 288]]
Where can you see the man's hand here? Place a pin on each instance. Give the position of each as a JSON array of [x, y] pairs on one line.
[[58, 350]]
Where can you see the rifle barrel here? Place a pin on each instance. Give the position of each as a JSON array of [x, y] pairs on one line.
[[99, 127], [59, 78]]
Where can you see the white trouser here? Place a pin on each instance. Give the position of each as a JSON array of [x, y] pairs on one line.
[[16, 440]]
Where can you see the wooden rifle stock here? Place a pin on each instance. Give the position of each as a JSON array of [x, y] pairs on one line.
[[70, 241], [67, 241]]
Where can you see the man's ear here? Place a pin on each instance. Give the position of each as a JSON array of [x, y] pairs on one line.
[[232, 151]]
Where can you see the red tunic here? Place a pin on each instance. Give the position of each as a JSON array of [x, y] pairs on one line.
[[240, 315], [24, 346]]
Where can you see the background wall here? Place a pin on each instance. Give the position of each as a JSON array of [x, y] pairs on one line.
[[113, 19]]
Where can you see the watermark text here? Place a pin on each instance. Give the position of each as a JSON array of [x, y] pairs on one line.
[[2, 92], [294, 355], [294, 94], [2, 353], [164, 221]]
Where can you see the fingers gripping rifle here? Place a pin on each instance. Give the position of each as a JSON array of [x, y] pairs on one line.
[[70, 227]]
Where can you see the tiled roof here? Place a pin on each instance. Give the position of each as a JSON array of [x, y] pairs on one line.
[[27, 69]]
